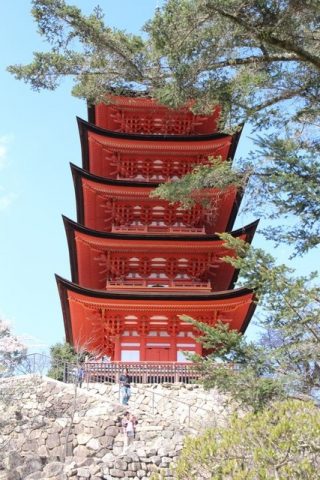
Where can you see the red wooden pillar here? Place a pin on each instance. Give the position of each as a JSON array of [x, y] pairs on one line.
[[143, 341], [117, 348]]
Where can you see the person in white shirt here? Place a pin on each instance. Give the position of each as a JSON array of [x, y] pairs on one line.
[[128, 424]]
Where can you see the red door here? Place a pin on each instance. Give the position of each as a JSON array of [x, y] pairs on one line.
[[158, 354]]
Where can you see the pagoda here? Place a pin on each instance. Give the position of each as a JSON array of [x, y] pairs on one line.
[[137, 262]]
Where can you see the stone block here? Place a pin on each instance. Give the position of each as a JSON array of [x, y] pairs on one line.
[[116, 473], [106, 441], [13, 460], [141, 473], [35, 476], [53, 440], [93, 444], [81, 451], [53, 469], [112, 431], [120, 464], [84, 472], [83, 438], [134, 466]]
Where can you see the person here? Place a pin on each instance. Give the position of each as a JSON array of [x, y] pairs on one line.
[[128, 424], [80, 375], [125, 388]]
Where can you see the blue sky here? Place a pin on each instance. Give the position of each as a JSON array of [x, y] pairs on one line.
[[38, 139]]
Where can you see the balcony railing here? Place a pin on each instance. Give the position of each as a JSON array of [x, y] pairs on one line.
[[165, 229], [141, 372], [156, 285]]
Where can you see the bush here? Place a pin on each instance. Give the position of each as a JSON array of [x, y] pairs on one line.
[[281, 442]]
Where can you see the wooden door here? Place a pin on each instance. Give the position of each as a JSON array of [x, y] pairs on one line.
[[158, 354]]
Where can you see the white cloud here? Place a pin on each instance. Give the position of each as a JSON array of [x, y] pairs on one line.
[[6, 200], [4, 142]]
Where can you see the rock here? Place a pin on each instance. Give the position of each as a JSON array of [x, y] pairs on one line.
[[12, 460], [30, 466], [81, 451], [84, 472], [94, 469], [43, 451], [112, 431], [93, 444], [35, 476], [53, 440], [141, 473], [116, 473], [53, 469], [83, 438], [120, 464], [134, 466]]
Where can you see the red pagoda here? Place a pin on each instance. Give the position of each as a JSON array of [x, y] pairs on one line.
[[137, 262]]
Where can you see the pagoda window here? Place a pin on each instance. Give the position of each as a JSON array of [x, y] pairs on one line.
[[164, 334], [152, 334], [130, 355]]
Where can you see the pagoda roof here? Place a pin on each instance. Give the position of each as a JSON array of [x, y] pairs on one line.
[[248, 230], [89, 258], [85, 126], [233, 306], [216, 144], [143, 113], [92, 191]]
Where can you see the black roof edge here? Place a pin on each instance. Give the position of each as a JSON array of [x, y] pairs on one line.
[[110, 181], [72, 248], [247, 229], [136, 136], [63, 294], [63, 283], [78, 190], [249, 315]]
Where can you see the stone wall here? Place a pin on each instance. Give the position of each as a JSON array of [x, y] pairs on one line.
[[50, 430], [188, 405]]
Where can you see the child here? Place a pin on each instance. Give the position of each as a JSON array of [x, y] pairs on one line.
[[128, 423]]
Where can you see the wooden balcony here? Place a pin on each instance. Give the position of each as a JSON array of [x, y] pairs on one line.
[[141, 372], [157, 285], [158, 229]]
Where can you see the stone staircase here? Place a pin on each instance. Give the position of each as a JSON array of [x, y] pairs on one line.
[[75, 433]]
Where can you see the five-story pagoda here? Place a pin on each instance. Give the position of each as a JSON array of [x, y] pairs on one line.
[[138, 262]]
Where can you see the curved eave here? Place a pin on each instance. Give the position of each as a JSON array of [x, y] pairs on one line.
[[226, 294], [85, 127], [248, 230], [79, 173], [71, 227], [64, 286]]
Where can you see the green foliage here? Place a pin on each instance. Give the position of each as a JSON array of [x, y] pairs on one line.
[[218, 175], [291, 315], [282, 443], [82, 47], [235, 367], [61, 354], [258, 59]]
